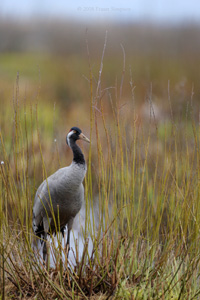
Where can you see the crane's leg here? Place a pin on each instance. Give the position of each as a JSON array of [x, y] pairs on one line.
[[63, 231], [69, 226], [45, 248], [46, 223], [67, 244]]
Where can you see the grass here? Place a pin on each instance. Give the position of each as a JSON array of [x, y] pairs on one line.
[[143, 174]]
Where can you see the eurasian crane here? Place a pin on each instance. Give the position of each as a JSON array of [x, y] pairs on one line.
[[59, 197]]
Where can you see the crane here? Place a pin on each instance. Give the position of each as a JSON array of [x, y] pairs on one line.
[[59, 197]]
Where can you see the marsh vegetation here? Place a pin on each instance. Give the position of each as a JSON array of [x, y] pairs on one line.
[[135, 92]]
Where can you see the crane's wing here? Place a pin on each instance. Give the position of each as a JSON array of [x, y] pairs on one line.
[[42, 206]]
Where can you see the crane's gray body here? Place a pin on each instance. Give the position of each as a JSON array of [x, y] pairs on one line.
[[63, 195]]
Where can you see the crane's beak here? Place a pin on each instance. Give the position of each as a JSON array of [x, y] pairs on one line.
[[84, 138]]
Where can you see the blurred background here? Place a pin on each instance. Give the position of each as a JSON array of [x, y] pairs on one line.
[[44, 42]]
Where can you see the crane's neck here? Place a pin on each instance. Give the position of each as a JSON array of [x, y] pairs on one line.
[[78, 154]]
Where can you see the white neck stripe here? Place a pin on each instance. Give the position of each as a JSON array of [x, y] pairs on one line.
[[68, 137]]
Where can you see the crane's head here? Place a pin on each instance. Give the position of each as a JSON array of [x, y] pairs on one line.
[[76, 134]]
